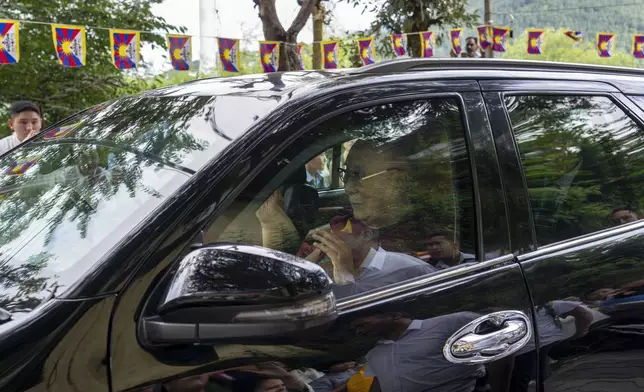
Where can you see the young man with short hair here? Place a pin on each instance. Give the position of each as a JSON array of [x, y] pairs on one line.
[[25, 122]]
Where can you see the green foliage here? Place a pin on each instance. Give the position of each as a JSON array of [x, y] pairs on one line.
[[63, 91], [559, 47]]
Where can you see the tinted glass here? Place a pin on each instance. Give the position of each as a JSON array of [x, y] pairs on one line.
[[582, 158], [404, 207], [74, 192]]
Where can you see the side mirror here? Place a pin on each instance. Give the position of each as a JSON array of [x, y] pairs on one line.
[[233, 292]]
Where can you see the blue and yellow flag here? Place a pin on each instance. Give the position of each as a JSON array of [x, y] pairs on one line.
[[180, 48], [9, 41], [455, 36], [638, 46], [605, 43], [499, 38], [367, 50], [269, 55], [125, 48], [330, 53], [484, 36], [70, 44], [20, 166], [427, 43], [535, 41], [577, 35], [229, 53], [399, 44]]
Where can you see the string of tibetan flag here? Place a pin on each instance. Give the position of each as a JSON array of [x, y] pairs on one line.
[[71, 46]]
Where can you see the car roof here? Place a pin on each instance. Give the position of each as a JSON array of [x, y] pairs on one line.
[[278, 84]]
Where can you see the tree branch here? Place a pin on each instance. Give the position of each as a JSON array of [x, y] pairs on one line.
[[270, 21], [302, 17]]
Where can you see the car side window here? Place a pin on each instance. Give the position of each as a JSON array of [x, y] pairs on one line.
[[405, 202], [582, 160]]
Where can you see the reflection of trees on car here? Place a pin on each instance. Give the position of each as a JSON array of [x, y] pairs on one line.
[[18, 284]]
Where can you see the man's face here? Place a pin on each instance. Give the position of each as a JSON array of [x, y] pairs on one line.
[[440, 247], [374, 183], [471, 46], [25, 123], [316, 164], [623, 216]]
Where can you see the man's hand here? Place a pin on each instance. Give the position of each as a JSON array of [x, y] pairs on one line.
[[272, 209], [32, 134], [338, 251]]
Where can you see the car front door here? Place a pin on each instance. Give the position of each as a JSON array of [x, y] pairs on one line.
[[427, 291], [577, 148]]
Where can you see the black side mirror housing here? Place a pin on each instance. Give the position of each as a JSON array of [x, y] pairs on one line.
[[231, 293]]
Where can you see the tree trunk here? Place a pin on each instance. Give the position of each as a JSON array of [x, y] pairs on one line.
[[274, 31], [318, 35]]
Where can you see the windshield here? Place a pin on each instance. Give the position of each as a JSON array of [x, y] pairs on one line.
[[71, 194]]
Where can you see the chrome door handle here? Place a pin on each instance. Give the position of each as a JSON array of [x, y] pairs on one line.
[[489, 338]]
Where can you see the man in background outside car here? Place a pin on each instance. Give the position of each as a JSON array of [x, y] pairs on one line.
[[25, 122]]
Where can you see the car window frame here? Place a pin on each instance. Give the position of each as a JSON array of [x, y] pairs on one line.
[[392, 290], [622, 104]]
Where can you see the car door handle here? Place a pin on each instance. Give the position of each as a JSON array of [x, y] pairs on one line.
[[489, 338]]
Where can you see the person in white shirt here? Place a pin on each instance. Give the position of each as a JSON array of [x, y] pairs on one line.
[[25, 122]]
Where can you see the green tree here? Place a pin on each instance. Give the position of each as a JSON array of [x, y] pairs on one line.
[[62, 91], [412, 16]]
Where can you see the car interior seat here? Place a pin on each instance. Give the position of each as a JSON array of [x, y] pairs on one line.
[[301, 202]]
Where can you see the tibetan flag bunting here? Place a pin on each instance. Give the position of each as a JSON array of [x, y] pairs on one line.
[[638, 46], [574, 34], [9, 42], [330, 53], [269, 55], [125, 48], [20, 166], [499, 38], [484, 37], [427, 43], [70, 45], [60, 132], [300, 59], [399, 43], [180, 48], [605, 43], [367, 51], [535, 41], [229, 54], [455, 36]]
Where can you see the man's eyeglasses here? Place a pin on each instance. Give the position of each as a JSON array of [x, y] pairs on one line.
[[359, 176]]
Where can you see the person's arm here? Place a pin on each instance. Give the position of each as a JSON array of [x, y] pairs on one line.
[[583, 320], [278, 231]]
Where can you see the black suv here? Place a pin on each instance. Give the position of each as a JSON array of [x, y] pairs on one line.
[[414, 225]]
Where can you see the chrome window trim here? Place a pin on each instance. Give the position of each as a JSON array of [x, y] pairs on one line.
[[398, 290], [582, 240]]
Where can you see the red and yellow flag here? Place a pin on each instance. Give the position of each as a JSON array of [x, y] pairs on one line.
[[638, 46], [500, 38], [605, 43], [9, 41], [330, 53], [180, 48], [367, 50], [484, 36], [269, 55], [399, 44], [70, 44], [535, 41], [229, 53], [20, 166], [455, 36], [125, 46], [427, 43]]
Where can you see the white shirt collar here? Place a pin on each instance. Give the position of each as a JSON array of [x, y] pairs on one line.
[[415, 325], [375, 259]]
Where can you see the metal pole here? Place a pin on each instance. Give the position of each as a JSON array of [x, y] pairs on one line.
[[488, 21]]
